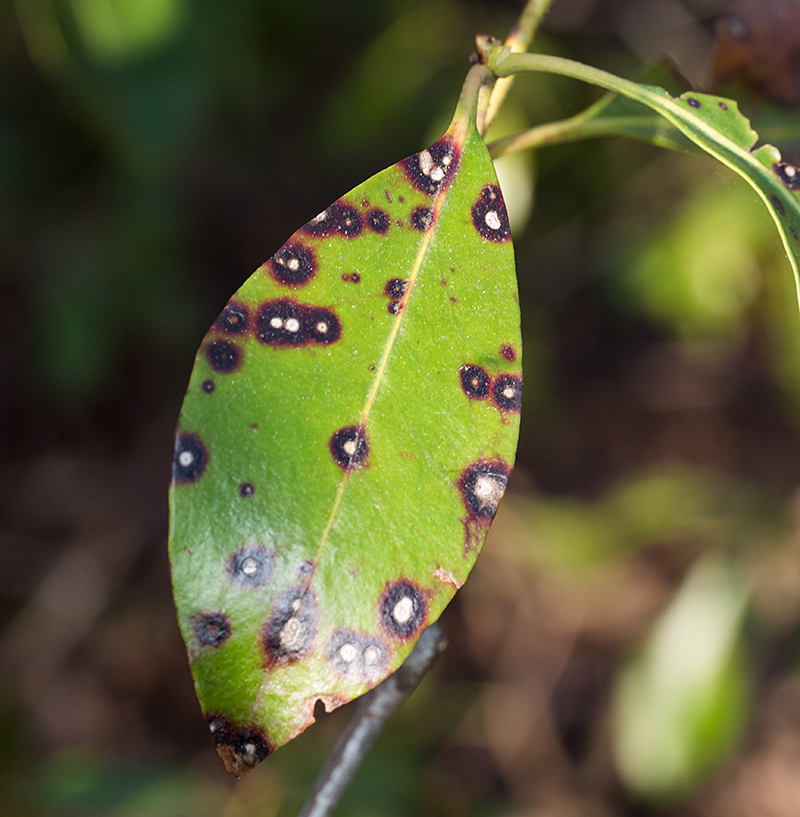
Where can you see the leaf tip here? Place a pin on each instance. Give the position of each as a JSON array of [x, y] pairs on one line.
[[240, 748]]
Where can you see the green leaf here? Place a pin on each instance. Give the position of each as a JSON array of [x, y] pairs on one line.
[[680, 707], [348, 430], [713, 123]]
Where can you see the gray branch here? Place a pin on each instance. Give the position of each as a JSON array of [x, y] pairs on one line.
[[369, 718]]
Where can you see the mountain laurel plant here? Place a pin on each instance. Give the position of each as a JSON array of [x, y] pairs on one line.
[[352, 416]]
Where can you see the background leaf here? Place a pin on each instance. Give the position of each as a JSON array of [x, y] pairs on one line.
[[347, 434], [713, 123], [682, 703]]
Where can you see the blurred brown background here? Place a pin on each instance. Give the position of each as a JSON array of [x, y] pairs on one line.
[[627, 644]]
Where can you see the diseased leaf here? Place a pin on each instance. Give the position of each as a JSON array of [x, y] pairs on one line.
[[348, 431]]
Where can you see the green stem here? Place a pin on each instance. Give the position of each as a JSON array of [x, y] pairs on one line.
[[506, 65], [573, 130], [565, 130], [467, 108], [518, 40]]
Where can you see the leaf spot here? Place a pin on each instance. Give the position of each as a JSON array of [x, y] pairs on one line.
[[190, 458], [224, 356], [421, 219], [340, 217], [482, 486], [396, 287], [788, 174], [507, 392], [289, 634], [474, 381], [403, 609], [378, 221], [240, 748], [246, 490], [349, 220], [251, 567], [358, 657], [694, 103], [287, 323], [293, 265], [431, 169], [349, 447], [212, 629], [233, 319], [208, 386], [489, 214], [508, 352]]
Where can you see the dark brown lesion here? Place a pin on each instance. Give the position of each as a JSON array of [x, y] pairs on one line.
[[294, 264], [482, 485], [285, 322], [349, 447], [223, 356], [190, 458], [489, 215], [379, 221], [341, 218], [508, 352], [211, 629], [421, 219], [507, 392], [432, 169], [788, 174], [241, 748], [475, 381], [233, 319]]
